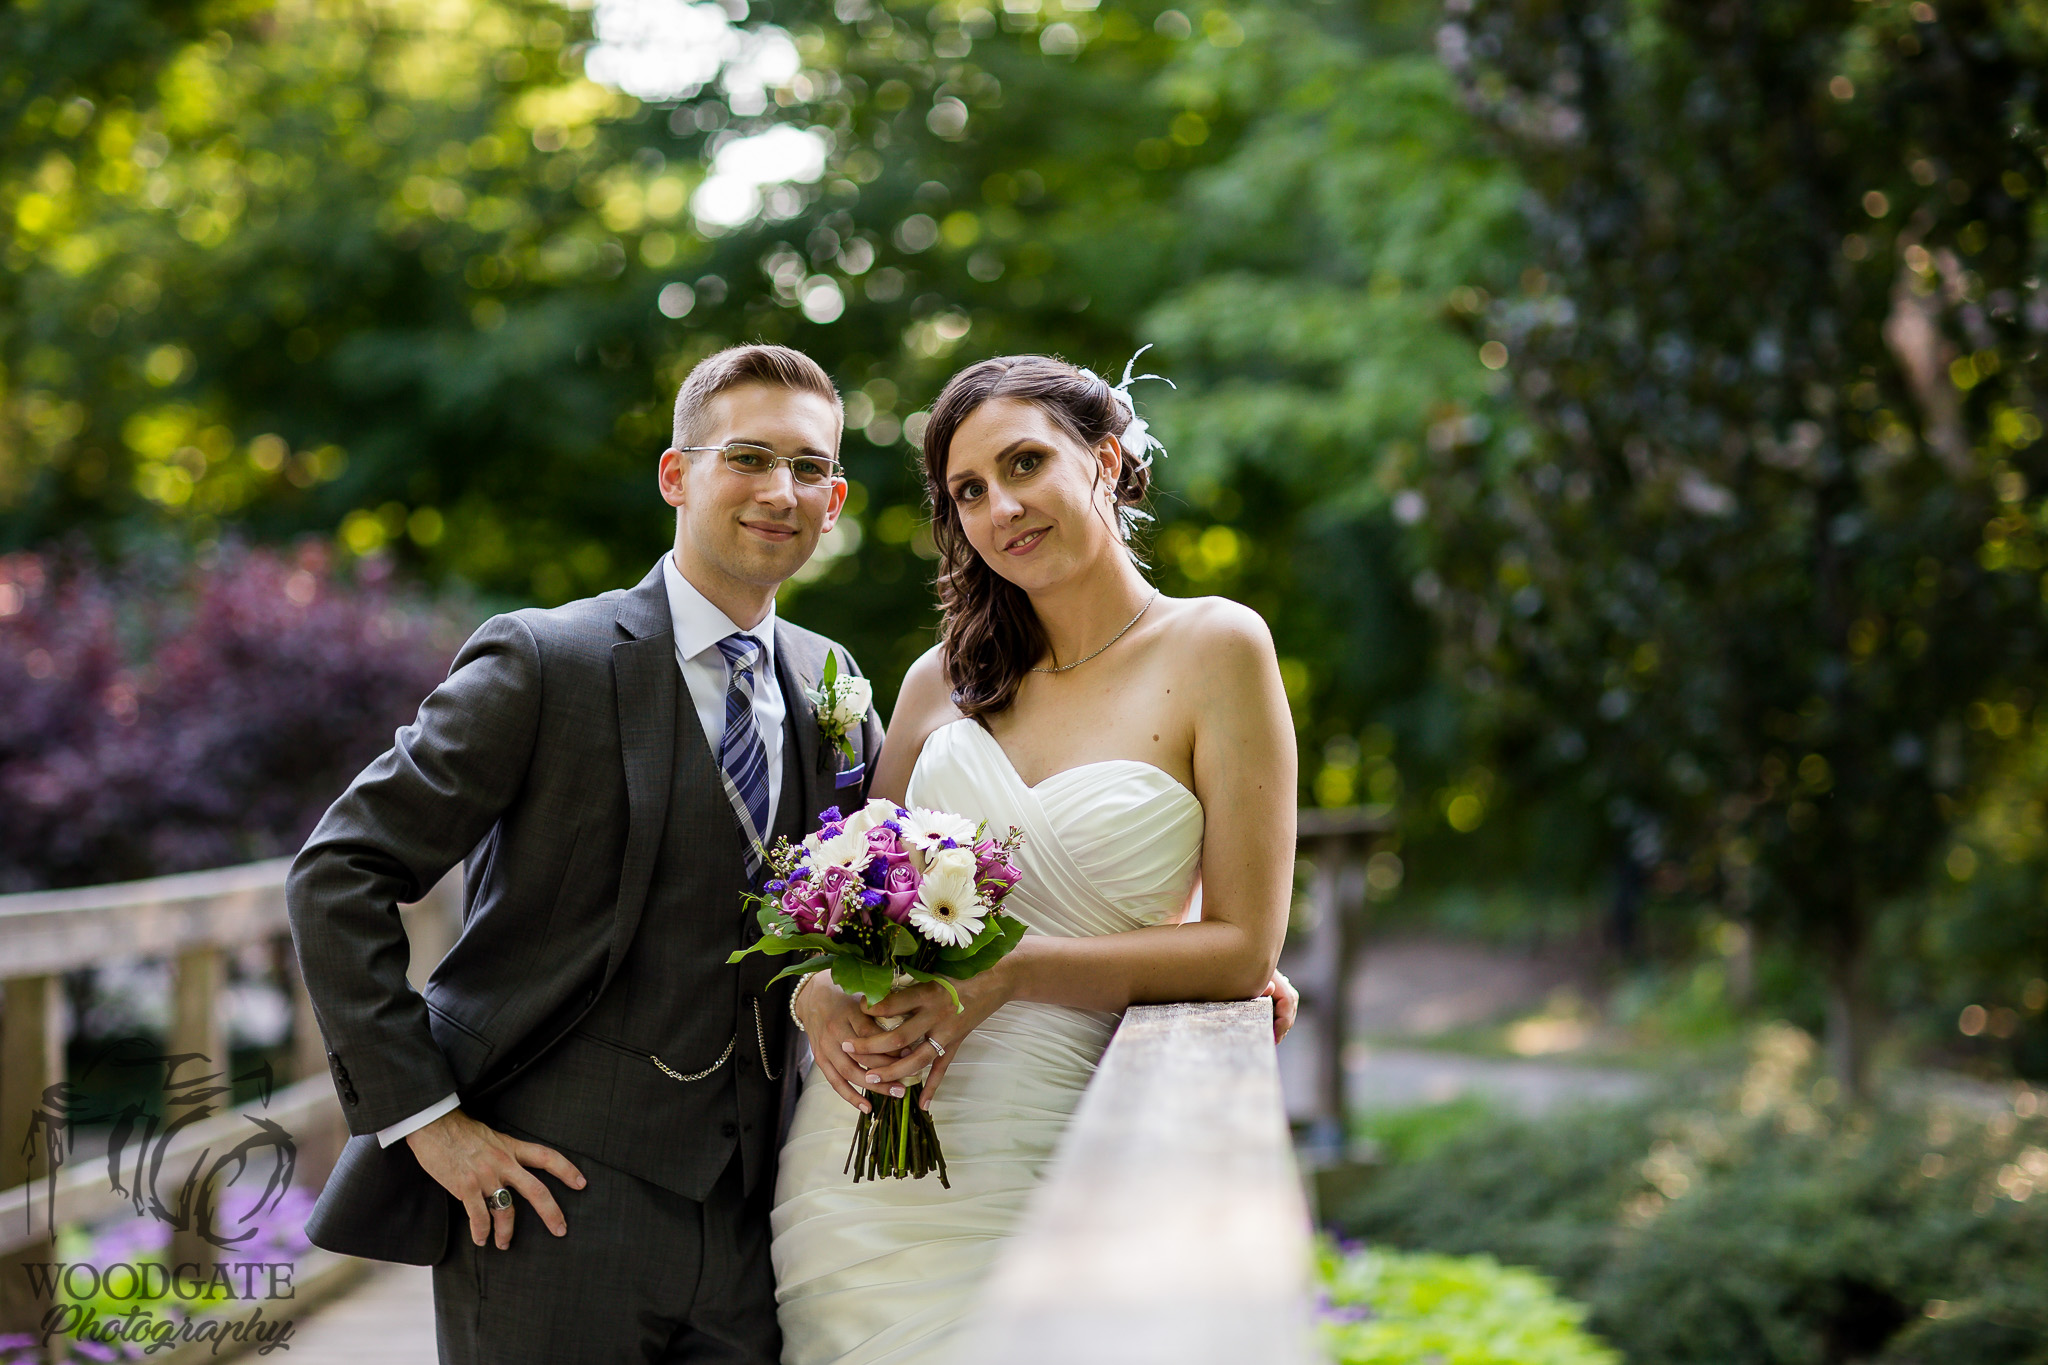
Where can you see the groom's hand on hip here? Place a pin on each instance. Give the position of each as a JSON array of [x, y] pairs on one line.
[[472, 1161]]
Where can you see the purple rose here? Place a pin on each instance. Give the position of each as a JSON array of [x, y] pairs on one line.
[[998, 875], [899, 888], [840, 890], [804, 904]]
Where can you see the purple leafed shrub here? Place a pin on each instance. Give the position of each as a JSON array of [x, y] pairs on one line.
[[150, 727]]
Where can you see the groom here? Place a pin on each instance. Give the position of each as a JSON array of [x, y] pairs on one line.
[[584, 1064]]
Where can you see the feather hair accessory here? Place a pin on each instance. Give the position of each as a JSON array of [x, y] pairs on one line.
[[1136, 438]]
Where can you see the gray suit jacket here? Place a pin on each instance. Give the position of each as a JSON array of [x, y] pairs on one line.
[[546, 760]]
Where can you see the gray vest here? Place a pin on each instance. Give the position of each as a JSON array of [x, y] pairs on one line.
[[610, 1089]]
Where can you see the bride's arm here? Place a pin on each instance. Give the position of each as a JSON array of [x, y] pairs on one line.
[[1245, 774]]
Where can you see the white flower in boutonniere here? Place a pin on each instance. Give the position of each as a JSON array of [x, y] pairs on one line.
[[841, 701]]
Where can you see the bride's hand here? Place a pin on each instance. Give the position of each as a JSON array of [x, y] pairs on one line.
[[1286, 1001], [834, 1021], [928, 1016]]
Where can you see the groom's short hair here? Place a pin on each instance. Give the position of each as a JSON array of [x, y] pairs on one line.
[[736, 365]]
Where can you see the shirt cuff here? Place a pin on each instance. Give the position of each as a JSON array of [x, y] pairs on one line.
[[406, 1127]]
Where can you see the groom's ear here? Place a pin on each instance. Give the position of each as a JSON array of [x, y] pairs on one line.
[[834, 507], [670, 476]]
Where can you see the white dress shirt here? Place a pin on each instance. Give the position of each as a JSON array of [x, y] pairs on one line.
[[698, 627]]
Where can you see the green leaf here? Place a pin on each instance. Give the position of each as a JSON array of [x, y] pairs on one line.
[[831, 672], [902, 942], [974, 963], [775, 945], [858, 976], [993, 928], [816, 964], [919, 974]]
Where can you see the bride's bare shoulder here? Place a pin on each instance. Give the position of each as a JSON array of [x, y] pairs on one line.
[[1221, 633]]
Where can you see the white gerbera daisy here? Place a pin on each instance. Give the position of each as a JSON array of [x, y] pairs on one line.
[[948, 909], [845, 849], [927, 829]]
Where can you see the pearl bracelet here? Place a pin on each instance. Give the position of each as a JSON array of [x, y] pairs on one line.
[[799, 990]]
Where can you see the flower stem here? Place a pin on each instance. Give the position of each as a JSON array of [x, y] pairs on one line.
[[897, 1141]]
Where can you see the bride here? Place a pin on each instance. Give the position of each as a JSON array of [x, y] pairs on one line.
[[1143, 744]]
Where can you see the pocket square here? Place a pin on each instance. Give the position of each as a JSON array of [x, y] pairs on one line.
[[850, 777]]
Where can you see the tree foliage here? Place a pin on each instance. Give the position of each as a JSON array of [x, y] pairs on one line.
[[1769, 535]]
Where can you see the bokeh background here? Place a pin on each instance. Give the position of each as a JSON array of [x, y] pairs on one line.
[[1625, 414]]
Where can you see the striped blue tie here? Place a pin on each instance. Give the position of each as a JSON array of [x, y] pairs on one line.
[[740, 752]]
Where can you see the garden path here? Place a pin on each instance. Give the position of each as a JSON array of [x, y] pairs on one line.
[[1408, 991], [386, 1319]]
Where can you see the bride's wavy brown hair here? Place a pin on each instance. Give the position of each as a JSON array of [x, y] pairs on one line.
[[990, 632]]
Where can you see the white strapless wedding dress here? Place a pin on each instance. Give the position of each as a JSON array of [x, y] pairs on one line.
[[884, 1271]]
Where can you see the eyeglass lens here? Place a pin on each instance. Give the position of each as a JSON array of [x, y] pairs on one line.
[[751, 459]]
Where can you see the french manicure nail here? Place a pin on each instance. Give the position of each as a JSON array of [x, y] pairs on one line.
[[874, 1079], [896, 1092]]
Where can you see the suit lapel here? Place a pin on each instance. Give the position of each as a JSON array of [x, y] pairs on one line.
[[645, 680], [796, 670]]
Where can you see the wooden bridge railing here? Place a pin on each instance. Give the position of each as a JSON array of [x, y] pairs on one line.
[[193, 921], [1172, 1229]]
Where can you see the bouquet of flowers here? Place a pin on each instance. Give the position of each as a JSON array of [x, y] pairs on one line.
[[884, 898]]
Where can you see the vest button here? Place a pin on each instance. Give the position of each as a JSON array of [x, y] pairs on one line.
[[729, 1129]]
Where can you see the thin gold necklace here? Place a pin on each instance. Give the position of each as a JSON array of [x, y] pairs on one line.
[[1112, 639]]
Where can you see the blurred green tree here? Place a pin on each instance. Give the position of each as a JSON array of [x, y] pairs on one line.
[[1769, 542], [408, 274]]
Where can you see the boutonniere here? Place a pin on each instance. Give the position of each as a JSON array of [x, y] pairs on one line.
[[840, 703]]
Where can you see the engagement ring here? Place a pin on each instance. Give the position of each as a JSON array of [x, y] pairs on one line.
[[935, 1046]]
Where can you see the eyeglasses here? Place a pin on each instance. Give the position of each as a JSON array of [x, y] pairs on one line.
[[744, 457]]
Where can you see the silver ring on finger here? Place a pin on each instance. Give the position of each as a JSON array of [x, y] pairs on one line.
[[935, 1045], [500, 1198]]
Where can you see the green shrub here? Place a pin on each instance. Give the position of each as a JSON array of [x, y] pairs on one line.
[[1399, 1135], [1390, 1308], [1770, 1228]]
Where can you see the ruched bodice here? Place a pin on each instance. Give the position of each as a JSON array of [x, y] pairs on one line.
[[880, 1273], [1107, 846]]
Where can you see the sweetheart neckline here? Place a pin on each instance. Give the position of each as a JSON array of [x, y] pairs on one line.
[[1033, 787]]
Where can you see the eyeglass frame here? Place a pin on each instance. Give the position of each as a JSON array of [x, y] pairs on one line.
[[836, 470]]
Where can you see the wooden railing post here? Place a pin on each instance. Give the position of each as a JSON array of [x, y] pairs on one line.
[[31, 1061], [1327, 992], [196, 1027], [309, 1049]]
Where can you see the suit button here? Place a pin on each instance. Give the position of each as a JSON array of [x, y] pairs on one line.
[[349, 1095], [729, 1129]]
